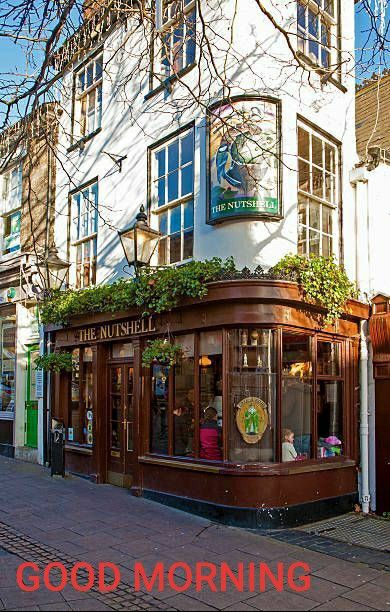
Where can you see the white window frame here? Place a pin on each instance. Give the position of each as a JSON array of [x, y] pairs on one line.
[[306, 39], [88, 120], [84, 210], [170, 205], [11, 196], [307, 197], [167, 26]]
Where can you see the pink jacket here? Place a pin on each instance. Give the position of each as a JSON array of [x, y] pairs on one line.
[[210, 435]]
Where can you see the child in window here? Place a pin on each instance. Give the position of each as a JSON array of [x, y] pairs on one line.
[[288, 450], [210, 436]]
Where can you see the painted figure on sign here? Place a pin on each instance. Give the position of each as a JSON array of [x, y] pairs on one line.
[[251, 421]]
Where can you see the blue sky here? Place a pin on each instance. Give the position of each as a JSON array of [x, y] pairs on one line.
[[13, 59]]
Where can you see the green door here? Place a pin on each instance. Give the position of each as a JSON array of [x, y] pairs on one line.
[[31, 421]]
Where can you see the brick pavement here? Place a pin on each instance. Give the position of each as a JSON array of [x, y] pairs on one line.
[[70, 520]]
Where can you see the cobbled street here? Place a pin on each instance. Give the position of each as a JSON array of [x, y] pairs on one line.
[[44, 519]]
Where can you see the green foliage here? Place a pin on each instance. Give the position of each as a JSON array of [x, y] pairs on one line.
[[55, 362], [323, 281], [161, 351], [153, 291]]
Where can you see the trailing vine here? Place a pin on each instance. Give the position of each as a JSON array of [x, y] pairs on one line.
[[160, 290], [161, 351], [323, 282], [153, 291], [54, 362]]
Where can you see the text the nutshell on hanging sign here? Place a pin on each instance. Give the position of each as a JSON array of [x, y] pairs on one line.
[[108, 331]]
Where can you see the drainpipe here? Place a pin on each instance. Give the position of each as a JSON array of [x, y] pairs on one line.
[[359, 180], [365, 487]]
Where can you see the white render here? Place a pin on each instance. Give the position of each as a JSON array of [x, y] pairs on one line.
[[130, 124]]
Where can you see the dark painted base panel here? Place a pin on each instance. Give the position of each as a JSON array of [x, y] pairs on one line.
[[260, 518], [7, 450]]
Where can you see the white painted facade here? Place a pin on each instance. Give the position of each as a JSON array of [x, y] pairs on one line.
[[259, 62]]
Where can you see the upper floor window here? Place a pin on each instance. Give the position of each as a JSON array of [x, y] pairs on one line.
[[11, 204], [173, 197], [318, 170], [88, 98], [84, 234], [317, 31], [175, 43]]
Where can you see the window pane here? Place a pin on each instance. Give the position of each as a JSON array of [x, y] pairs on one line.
[[160, 159], [184, 410], [303, 144], [210, 366], [173, 156], [161, 192], [175, 214], [326, 246], [252, 375], [175, 248], [163, 223], [328, 358], [302, 246], [89, 75], [159, 406], [187, 180], [313, 50], [188, 214], [98, 68], [329, 158], [301, 15], [81, 81], [302, 211], [187, 148], [314, 243], [327, 214], [191, 37], [173, 186], [318, 182], [162, 252], [315, 210], [188, 244], [329, 419], [304, 176], [296, 396], [317, 151]]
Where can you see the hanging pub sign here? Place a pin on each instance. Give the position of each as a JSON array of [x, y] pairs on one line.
[[244, 160], [252, 419]]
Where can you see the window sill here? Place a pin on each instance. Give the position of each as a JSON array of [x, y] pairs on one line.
[[322, 72], [270, 469], [80, 143], [167, 84], [78, 448]]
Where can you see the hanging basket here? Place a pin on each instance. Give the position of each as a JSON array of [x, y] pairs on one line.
[[162, 352]]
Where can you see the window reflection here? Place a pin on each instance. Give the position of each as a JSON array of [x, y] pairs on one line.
[[210, 374], [296, 397], [160, 403], [184, 402]]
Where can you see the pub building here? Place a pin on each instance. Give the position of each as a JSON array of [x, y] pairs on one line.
[[256, 425]]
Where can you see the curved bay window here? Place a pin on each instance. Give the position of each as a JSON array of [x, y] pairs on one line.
[[250, 395]]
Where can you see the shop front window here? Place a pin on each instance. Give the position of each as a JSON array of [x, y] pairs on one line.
[[284, 403], [160, 409], [80, 422], [184, 399], [297, 390], [210, 375], [8, 366], [252, 389]]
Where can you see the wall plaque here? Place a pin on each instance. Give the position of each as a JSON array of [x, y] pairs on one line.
[[252, 419]]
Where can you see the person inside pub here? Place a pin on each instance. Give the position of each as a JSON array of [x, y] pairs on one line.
[[210, 436]]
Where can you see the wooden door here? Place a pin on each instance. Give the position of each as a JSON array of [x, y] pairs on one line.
[[382, 437], [121, 425]]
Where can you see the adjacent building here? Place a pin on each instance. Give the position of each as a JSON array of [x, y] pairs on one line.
[[27, 190], [371, 179], [234, 148]]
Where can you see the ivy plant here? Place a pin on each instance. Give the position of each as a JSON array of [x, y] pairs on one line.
[[153, 291], [54, 362], [161, 351], [322, 280]]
